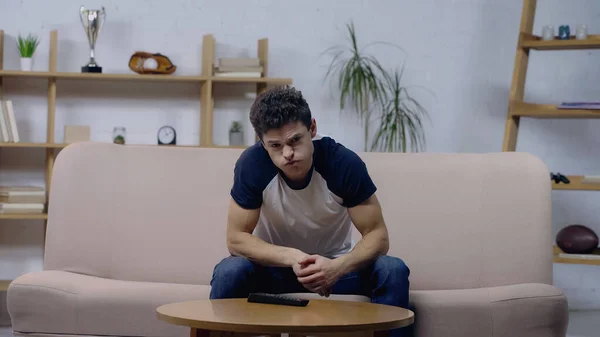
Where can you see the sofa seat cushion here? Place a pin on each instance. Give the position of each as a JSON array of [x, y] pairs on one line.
[[528, 309], [65, 303]]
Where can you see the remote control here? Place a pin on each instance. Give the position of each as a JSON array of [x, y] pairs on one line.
[[276, 299]]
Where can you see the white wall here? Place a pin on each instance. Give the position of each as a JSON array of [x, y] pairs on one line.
[[463, 51]]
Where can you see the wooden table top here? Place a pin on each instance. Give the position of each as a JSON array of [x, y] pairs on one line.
[[320, 315]]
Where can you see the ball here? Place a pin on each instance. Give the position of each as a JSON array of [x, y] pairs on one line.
[[577, 239], [150, 63]]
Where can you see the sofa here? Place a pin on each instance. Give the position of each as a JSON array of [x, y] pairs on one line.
[[131, 228]]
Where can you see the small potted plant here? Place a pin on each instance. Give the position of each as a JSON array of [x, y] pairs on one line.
[[27, 47], [236, 135]]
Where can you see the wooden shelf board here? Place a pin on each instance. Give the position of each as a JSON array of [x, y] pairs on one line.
[[575, 260], [251, 80], [138, 77], [536, 42], [4, 285], [32, 216], [33, 145], [102, 76], [59, 145], [523, 109], [576, 184]]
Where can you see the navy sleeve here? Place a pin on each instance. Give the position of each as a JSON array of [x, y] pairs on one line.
[[346, 173], [251, 175]]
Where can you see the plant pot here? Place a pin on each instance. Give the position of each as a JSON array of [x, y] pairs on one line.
[[26, 63], [236, 138]]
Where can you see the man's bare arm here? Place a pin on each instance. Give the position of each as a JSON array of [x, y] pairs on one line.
[[368, 219], [240, 241]]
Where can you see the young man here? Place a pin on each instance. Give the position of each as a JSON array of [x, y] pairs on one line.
[[294, 200]]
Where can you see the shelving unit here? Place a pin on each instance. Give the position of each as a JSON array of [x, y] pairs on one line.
[[4, 285], [206, 79], [518, 109], [575, 259]]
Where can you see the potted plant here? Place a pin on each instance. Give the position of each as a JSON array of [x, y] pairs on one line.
[[236, 134], [376, 93], [27, 47]]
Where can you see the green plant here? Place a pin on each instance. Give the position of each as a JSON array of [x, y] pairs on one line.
[[235, 127], [401, 119], [28, 45], [374, 92]]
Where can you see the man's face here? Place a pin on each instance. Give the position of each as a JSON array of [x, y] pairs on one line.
[[291, 148]]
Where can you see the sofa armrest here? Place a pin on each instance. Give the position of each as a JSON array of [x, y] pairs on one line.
[[531, 309]]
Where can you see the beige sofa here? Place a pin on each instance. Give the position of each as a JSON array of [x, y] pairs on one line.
[[133, 227]]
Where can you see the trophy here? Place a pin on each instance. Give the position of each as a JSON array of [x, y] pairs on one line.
[[92, 20]]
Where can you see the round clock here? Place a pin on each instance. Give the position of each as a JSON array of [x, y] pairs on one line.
[[167, 136]]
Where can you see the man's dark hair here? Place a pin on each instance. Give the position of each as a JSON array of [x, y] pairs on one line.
[[279, 106]]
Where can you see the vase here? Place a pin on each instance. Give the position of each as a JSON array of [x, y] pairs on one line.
[[119, 133], [236, 138], [26, 63]]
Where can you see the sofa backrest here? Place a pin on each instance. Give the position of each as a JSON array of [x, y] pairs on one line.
[[158, 214]]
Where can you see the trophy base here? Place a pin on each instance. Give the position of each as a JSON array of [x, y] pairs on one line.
[[91, 69]]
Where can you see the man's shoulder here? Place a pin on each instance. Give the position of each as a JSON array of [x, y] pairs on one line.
[[344, 171], [332, 156], [252, 173]]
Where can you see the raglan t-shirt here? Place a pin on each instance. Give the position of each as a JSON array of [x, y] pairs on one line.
[[313, 216]]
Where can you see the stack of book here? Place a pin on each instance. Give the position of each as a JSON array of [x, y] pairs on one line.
[[238, 67], [22, 199], [8, 123]]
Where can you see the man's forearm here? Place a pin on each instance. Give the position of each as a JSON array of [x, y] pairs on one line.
[[259, 251], [371, 246]]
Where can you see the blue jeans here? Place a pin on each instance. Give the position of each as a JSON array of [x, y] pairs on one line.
[[385, 281]]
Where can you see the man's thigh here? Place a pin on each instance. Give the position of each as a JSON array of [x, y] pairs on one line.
[[355, 283], [281, 280]]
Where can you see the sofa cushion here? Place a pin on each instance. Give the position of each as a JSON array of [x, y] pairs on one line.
[[529, 309], [68, 303]]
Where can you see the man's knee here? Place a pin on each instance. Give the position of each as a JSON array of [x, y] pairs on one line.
[[233, 267], [394, 267]]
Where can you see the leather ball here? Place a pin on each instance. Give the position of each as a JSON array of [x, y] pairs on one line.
[[577, 239]]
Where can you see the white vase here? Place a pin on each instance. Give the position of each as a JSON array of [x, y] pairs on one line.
[[236, 138], [26, 63]]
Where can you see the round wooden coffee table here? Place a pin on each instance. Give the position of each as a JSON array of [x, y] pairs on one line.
[[231, 317]]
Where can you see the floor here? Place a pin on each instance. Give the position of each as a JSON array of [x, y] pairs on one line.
[[581, 324]]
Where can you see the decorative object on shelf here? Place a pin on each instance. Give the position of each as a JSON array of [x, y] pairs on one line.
[[548, 32], [148, 63], [577, 239], [166, 135], [119, 133], [236, 134], [558, 178], [377, 93], [77, 133], [27, 46], [238, 67], [92, 20], [564, 32], [581, 32]]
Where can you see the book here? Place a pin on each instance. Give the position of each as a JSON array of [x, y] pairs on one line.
[[19, 208], [579, 105], [12, 121], [239, 62], [239, 74], [22, 194], [4, 124]]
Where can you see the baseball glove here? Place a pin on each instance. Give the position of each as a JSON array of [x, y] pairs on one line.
[[164, 65]]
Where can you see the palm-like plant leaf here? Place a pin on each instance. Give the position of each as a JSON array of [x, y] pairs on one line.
[[401, 122], [370, 89]]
